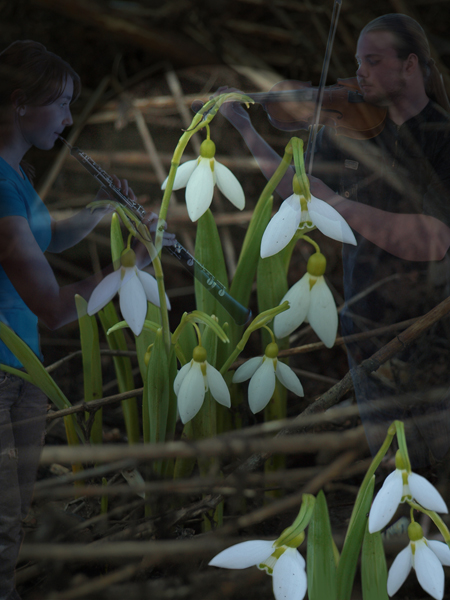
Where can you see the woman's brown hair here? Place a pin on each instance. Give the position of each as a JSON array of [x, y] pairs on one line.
[[410, 38], [39, 77]]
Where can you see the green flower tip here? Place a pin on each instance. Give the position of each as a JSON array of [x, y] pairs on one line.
[[271, 350], [317, 264], [207, 149], [199, 354], [415, 532], [128, 258]]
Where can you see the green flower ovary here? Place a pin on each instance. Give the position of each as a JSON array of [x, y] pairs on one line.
[[199, 354], [128, 258], [317, 264], [271, 350], [415, 532], [207, 149]]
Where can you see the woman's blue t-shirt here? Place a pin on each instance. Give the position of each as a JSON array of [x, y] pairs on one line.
[[19, 198]]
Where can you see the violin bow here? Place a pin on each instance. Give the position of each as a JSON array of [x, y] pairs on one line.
[[323, 77]]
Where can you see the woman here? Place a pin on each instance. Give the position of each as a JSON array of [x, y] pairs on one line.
[[36, 90]]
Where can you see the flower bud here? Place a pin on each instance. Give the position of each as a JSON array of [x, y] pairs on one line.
[[199, 354], [317, 264]]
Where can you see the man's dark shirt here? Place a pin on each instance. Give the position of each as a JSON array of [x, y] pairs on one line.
[[405, 169]]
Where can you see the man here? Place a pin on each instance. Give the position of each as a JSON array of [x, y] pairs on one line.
[[394, 191]]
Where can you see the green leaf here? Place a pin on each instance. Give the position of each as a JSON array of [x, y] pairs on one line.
[[373, 567], [92, 370], [39, 377], [147, 337], [124, 373], [321, 567], [353, 540], [244, 276], [156, 393], [208, 251], [117, 245], [271, 287]]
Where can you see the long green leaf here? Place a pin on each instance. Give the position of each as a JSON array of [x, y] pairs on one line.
[[373, 567], [39, 377], [156, 396], [321, 566], [92, 369], [122, 365], [353, 540], [244, 276]]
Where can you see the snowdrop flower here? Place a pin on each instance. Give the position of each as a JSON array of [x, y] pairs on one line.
[[199, 177], [193, 381], [135, 288], [398, 487], [310, 300], [298, 212], [285, 564], [426, 557], [262, 371]]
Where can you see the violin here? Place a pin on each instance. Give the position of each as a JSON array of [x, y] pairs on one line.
[[290, 106]]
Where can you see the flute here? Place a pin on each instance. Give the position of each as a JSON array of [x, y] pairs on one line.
[[237, 311]]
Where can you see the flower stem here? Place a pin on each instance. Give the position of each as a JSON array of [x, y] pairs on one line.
[[311, 241]]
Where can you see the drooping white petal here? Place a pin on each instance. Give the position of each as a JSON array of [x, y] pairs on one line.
[[426, 494], [182, 175], [282, 227], [262, 386], [429, 570], [217, 386], [133, 303], [289, 379], [386, 502], [289, 576], [246, 370], [229, 185], [180, 376], [329, 221], [399, 570], [441, 550], [244, 555], [299, 299], [191, 393], [322, 314], [199, 190], [150, 287], [104, 292]]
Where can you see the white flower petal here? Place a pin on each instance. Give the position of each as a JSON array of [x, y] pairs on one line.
[[262, 386], [133, 304], [199, 190], [217, 386], [104, 292], [426, 494], [282, 227], [150, 287], [299, 299], [229, 185], [180, 376], [246, 370], [244, 555], [429, 570], [289, 576], [182, 175], [322, 314], [191, 393], [329, 221], [386, 502], [399, 570], [289, 379], [441, 550]]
